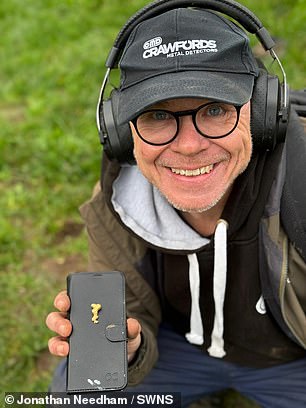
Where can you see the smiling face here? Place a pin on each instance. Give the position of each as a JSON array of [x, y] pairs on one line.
[[193, 172]]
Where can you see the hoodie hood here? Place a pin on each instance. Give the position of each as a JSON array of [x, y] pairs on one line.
[[144, 210]]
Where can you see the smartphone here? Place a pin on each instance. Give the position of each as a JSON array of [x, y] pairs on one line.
[[97, 359]]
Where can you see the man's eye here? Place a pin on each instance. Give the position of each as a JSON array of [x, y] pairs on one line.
[[160, 115], [215, 110]]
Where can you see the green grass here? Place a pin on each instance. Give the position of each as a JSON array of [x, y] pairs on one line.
[[52, 63]]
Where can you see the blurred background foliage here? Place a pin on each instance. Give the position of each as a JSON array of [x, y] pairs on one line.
[[52, 63]]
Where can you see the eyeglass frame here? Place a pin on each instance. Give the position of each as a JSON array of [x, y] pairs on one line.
[[189, 112]]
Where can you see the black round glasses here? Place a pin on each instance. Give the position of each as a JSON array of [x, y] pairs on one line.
[[213, 120]]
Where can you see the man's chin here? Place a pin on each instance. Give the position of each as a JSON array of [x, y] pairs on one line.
[[197, 205], [191, 207]]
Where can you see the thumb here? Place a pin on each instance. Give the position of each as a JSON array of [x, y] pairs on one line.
[[133, 328], [134, 337]]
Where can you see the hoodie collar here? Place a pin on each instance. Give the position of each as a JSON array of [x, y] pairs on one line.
[[140, 206]]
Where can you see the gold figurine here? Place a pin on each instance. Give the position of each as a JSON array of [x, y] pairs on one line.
[[95, 307]]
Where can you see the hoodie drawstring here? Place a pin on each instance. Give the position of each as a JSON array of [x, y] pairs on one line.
[[220, 268], [196, 336]]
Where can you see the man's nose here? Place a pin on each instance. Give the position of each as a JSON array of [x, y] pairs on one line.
[[188, 140]]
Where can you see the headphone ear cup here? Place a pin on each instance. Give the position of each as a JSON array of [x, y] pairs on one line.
[[117, 139], [264, 111]]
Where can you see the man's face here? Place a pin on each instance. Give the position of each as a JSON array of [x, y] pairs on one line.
[[193, 172]]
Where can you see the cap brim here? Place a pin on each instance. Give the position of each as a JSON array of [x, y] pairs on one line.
[[226, 87]]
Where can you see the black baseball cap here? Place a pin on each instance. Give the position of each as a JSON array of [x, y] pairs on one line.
[[182, 53]]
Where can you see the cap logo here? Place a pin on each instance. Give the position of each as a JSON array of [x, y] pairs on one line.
[[155, 42], [154, 47]]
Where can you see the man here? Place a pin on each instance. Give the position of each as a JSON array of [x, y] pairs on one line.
[[195, 225]]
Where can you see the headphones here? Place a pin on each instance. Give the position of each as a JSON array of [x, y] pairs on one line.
[[269, 102]]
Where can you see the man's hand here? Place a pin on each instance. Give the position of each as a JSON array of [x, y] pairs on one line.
[[58, 322]]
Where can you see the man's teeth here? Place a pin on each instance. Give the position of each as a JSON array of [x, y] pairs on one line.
[[196, 172]]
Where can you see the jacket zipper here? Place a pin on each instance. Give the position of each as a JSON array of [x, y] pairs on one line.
[[284, 279]]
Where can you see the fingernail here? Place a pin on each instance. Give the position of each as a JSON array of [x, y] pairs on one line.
[[61, 305], [61, 350], [62, 329]]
